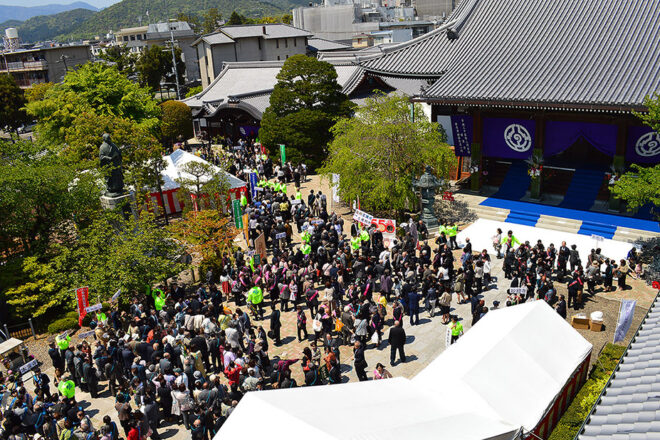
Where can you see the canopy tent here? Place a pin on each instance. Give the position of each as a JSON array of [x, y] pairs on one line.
[[519, 367], [174, 169], [386, 409], [516, 362]]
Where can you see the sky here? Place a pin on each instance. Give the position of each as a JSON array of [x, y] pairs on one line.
[[28, 3]]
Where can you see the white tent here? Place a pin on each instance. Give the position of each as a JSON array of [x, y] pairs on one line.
[[515, 361], [177, 160], [504, 374], [386, 409]]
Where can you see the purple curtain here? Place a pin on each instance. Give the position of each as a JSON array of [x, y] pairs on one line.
[[249, 131], [560, 135], [643, 145], [508, 138], [461, 126]]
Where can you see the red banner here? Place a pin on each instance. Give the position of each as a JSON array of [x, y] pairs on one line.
[[82, 294]]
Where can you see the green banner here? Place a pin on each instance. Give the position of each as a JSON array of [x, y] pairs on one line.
[[238, 215], [282, 153]]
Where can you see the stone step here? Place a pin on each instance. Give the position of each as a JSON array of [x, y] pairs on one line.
[[559, 223], [491, 213], [632, 235]]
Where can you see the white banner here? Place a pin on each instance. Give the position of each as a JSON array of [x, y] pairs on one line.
[[626, 313], [362, 217], [296, 201], [85, 334], [335, 188], [448, 337], [94, 308], [27, 367], [317, 222], [116, 295]]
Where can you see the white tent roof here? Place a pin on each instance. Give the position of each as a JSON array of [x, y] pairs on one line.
[[502, 375], [386, 409], [174, 170], [514, 362]]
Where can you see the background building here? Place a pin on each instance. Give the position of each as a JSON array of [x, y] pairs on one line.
[[434, 9], [134, 38], [45, 64], [160, 34], [268, 42]]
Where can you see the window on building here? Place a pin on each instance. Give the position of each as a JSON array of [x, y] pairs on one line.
[[132, 37], [125, 37], [287, 57], [139, 37], [277, 45], [259, 40], [286, 42], [278, 58], [295, 42]]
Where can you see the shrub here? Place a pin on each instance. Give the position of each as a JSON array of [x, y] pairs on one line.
[[584, 400], [63, 324]]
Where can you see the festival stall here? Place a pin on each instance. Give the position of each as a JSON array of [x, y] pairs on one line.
[[174, 169], [515, 372]]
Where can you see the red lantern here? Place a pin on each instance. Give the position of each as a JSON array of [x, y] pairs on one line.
[[656, 285]]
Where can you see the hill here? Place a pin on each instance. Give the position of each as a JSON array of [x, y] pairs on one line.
[[47, 27], [23, 13], [128, 13]]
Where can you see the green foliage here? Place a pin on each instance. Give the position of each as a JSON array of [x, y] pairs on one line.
[[122, 57], [43, 197], [62, 325], [177, 120], [46, 27], [584, 400], [379, 150], [652, 117], [305, 103], [110, 253], [126, 13], [204, 181], [95, 89], [210, 20], [639, 186], [12, 100], [155, 64], [236, 19], [193, 91]]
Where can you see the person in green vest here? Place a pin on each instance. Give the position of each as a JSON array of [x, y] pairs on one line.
[[101, 318], [298, 195], [364, 235], [451, 232], [256, 298], [355, 243], [251, 262], [306, 249], [244, 201], [509, 241], [305, 236], [63, 342], [67, 388], [159, 299], [456, 329]]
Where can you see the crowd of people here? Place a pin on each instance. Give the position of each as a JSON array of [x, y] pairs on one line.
[[188, 355]]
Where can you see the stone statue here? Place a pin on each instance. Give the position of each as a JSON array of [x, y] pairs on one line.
[[427, 184], [110, 156]]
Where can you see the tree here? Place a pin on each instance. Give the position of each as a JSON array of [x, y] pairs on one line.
[[96, 89], [37, 92], [202, 180], [305, 103], [110, 253], [236, 19], [122, 57], [641, 185], [210, 20], [378, 152], [207, 233], [151, 66], [193, 91], [177, 121], [12, 100]]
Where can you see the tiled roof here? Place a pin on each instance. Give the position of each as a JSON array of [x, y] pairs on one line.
[[320, 44], [630, 407], [588, 52], [257, 30]]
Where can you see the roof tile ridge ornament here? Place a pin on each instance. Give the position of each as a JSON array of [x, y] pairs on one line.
[[454, 27]]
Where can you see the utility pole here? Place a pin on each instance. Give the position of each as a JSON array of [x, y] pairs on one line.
[[176, 74]]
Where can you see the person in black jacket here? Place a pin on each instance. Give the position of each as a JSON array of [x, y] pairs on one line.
[[275, 324], [397, 339], [360, 362]]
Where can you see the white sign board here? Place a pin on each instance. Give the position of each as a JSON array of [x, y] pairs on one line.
[[27, 367], [362, 217], [518, 290], [85, 334], [94, 308], [280, 235], [116, 295], [597, 237], [448, 338], [317, 222], [296, 201]]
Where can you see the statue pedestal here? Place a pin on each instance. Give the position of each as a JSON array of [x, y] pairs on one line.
[[124, 203]]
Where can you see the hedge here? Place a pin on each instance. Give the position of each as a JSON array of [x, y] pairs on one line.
[[63, 324], [584, 400]]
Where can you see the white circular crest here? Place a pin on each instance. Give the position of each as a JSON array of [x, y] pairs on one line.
[[242, 130], [517, 138], [648, 144]]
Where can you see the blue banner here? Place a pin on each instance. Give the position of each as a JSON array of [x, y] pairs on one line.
[[625, 319], [508, 138], [461, 127], [253, 185], [643, 145]]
